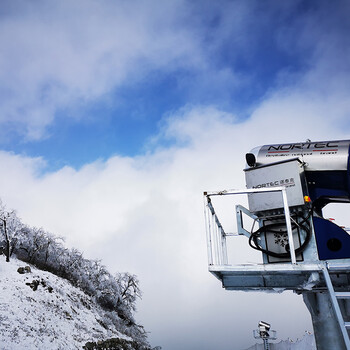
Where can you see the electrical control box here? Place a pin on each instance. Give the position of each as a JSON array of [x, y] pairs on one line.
[[288, 173]]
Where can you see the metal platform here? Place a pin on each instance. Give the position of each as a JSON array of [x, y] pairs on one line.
[[304, 276], [280, 277]]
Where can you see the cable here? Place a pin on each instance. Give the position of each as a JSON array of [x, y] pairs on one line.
[[253, 239]]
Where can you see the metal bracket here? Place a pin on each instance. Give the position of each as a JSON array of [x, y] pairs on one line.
[[240, 228]]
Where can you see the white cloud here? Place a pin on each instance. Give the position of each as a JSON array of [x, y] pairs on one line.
[[145, 215], [68, 53]]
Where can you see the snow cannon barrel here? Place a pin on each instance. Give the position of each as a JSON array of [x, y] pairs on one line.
[[326, 166]]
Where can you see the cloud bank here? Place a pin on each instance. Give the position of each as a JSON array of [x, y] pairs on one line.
[[145, 215], [60, 58], [64, 55]]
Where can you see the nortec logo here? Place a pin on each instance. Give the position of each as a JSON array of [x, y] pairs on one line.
[[283, 182], [307, 145]]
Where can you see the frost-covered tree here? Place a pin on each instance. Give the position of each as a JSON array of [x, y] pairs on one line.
[[10, 226], [3, 224], [130, 290]]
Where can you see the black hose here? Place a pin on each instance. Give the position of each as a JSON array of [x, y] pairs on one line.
[[255, 235]]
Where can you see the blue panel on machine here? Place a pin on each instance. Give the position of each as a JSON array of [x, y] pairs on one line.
[[332, 241]]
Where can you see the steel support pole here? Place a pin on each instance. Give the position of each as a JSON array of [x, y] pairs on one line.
[[289, 226], [327, 331], [266, 344]]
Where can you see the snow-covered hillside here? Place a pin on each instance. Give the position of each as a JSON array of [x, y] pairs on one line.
[[39, 310]]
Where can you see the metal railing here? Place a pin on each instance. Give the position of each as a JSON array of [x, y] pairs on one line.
[[216, 236]]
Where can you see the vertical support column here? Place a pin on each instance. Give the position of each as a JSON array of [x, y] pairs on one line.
[[289, 226], [327, 330], [224, 248], [266, 344], [208, 232]]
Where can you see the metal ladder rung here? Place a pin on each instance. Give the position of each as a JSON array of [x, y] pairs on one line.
[[347, 324], [342, 295]]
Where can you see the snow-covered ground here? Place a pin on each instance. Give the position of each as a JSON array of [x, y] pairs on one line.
[[54, 316], [306, 343]]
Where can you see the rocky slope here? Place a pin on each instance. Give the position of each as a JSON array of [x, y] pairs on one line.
[[39, 310]]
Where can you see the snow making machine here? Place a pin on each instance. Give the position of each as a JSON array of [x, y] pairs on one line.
[[288, 187]]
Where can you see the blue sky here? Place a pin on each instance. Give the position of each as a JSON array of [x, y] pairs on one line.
[[224, 54], [117, 115]]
